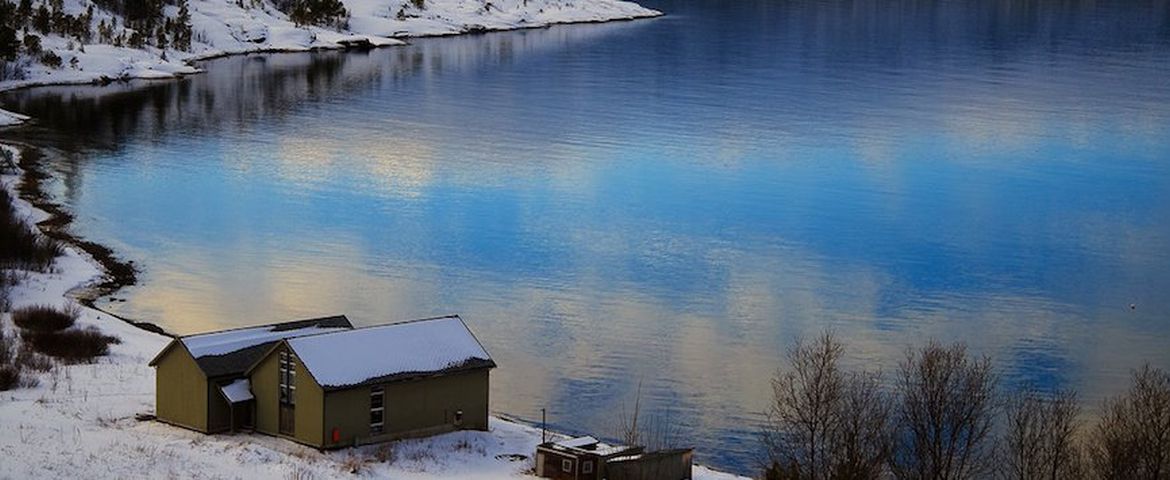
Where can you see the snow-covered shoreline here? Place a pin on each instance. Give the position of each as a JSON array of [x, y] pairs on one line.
[[80, 419], [228, 27]]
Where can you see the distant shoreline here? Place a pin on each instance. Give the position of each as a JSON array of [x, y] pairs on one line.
[[119, 273], [358, 42]]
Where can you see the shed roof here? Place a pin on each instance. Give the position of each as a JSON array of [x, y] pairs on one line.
[[237, 391], [231, 352], [579, 442], [392, 352], [588, 445]]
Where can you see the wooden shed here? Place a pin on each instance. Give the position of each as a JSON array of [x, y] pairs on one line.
[[674, 464], [580, 458], [373, 384], [200, 380]]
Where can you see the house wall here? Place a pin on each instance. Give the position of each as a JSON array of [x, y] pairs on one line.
[[673, 464], [219, 411], [180, 390], [310, 408], [265, 388], [310, 399], [550, 464], [412, 408]]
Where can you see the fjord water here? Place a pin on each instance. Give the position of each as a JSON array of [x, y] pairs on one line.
[[667, 202]]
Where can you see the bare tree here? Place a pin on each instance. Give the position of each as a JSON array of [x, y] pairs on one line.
[[824, 423], [630, 431], [1039, 440], [802, 418], [945, 416], [1132, 441], [864, 436]]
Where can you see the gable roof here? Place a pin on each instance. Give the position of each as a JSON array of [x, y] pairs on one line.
[[392, 352], [231, 352]]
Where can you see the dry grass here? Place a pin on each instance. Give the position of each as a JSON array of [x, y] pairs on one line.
[[299, 472], [30, 360], [45, 318], [386, 453], [354, 463], [73, 345], [20, 244]]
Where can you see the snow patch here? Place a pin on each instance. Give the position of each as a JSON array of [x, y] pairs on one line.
[[223, 27], [9, 118]]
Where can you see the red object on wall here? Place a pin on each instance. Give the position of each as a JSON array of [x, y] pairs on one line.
[[336, 434]]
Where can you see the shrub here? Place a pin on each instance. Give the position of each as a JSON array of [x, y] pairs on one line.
[[44, 318], [7, 348], [20, 244], [7, 281], [32, 44], [9, 377], [1132, 441], [51, 59], [72, 345], [27, 359]]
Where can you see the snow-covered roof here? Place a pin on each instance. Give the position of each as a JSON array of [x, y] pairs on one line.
[[229, 353], [590, 445], [390, 352], [237, 391], [578, 442], [228, 341]]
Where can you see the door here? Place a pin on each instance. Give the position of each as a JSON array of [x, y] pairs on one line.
[[287, 423]]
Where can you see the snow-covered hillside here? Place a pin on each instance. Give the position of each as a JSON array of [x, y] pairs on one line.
[[80, 421], [221, 27]]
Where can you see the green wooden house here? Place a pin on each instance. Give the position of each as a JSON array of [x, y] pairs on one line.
[[373, 384], [326, 384], [200, 380]]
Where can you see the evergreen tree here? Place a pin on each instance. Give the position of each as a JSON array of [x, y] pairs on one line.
[[182, 28], [23, 13], [9, 45], [42, 19]]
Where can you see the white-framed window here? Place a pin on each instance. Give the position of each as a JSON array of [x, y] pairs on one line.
[[288, 378], [567, 466], [587, 466], [377, 410]]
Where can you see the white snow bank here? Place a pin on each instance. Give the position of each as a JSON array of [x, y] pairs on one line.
[[9, 118], [80, 421], [222, 27], [353, 356]]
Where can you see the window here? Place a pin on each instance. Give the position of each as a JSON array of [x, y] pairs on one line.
[[377, 410], [567, 466], [288, 378], [587, 466]]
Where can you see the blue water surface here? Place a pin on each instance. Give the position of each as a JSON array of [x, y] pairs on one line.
[[668, 202]]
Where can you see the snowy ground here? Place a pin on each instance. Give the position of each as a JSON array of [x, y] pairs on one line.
[[223, 27], [80, 421]]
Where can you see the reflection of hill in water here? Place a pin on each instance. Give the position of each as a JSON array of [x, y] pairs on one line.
[[239, 90]]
